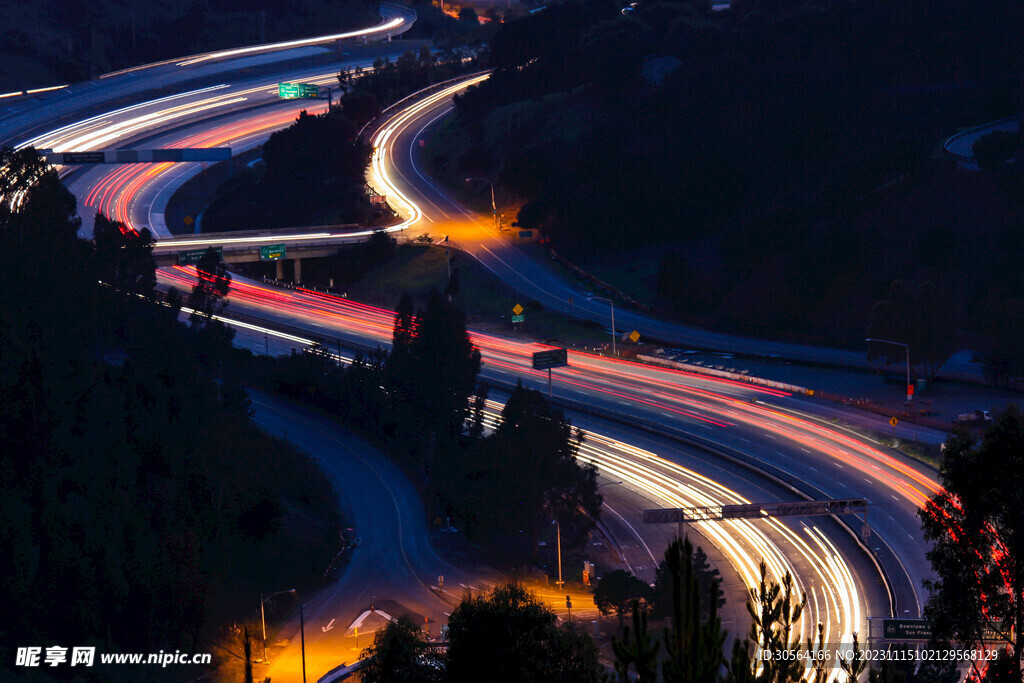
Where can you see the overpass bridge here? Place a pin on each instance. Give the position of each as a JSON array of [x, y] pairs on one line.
[[251, 246]]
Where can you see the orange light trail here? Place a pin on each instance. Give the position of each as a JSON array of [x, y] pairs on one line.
[[663, 389], [114, 194]]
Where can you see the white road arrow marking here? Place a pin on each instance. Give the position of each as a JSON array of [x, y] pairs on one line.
[[328, 627]]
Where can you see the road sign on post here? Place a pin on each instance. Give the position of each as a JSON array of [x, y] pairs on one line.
[[188, 258], [291, 91], [273, 252], [546, 360], [906, 629], [555, 358]]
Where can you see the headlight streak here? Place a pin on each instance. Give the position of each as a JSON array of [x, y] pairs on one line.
[[839, 601], [44, 140], [826, 575], [379, 178], [114, 194], [381, 28], [744, 542]]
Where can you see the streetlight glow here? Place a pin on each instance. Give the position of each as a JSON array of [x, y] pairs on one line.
[[494, 207], [263, 619]]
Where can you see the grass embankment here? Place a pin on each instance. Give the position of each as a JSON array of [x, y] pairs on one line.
[[487, 301]]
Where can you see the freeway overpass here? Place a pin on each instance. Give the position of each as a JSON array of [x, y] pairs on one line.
[[251, 246]]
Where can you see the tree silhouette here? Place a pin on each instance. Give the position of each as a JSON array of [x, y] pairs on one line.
[[637, 648], [976, 525]]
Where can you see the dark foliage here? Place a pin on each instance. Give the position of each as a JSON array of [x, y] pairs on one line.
[[139, 504], [514, 637], [770, 144], [314, 171], [400, 654], [661, 595], [618, 590], [977, 529]]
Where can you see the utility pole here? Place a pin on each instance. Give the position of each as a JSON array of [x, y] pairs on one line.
[[302, 631]]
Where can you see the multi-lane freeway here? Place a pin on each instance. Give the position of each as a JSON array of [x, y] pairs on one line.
[[671, 438]]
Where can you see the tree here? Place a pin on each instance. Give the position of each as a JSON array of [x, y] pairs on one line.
[[992, 151], [637, 648], [976, 524], [431, 371], [468, 15], [617, 591], [360, 106], [514, 637], [694, 645], [209, 294], [400, 654], [532, 469], [124, 256], [917, 315], [853, 664], [706, 577], [774, 610]]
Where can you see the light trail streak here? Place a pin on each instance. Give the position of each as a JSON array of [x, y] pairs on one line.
[[379, 178], [688, 396], [382, 28], [743, 542]]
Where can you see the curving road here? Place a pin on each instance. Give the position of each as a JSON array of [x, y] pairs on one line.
[[427, 207], [710, 429]]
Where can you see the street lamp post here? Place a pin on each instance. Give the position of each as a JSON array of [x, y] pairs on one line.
[[494, 207], [612, 304], [263, 618], [910, 396], [558, 536]]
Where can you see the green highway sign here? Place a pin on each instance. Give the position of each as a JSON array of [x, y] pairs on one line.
[[518, 318], [921, 629], [291, 91], [188, 258], [555, 358], [273, 252]]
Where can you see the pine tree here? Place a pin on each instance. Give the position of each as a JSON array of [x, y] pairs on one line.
[[637, 648], [694, 646]]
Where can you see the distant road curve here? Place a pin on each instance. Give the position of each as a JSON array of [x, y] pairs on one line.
[[961, 145], [23, 114]]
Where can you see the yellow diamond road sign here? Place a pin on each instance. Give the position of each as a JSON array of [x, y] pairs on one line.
[[634, 336], [893, 421], [517, 309], [188, 220]]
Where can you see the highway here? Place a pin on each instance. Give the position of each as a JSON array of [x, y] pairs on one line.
[[763, 427], [27, 117], [429, 208], [394, 569], [704, 435]]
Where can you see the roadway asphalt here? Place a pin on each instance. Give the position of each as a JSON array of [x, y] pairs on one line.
[[778, 432], [394, 564], [476, 236], [21, 118], [717, 414]]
